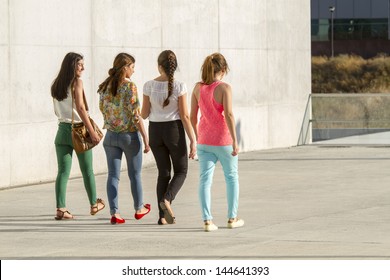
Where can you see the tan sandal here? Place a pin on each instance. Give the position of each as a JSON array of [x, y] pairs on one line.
[[162, 221], [63, 215], [168, 212], [98, 206]]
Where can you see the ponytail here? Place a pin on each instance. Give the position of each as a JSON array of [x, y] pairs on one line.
[[211, 66], [116, 74], [208, 70]]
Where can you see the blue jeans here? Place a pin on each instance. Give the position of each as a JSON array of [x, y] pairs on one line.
[[208, 158], [115, 144]]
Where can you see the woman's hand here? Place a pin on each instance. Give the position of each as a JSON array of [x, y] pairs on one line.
[[95, 137], [147, 149], [192, 150], [235, 149]]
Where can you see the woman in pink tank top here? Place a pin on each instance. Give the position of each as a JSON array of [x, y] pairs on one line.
[[216, 137]]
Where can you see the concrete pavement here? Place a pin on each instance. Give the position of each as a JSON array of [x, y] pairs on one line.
[[307, 202]]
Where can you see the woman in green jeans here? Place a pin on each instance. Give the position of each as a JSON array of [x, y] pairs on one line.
[[68, 81]]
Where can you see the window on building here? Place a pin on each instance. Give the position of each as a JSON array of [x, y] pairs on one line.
[[350, 29]]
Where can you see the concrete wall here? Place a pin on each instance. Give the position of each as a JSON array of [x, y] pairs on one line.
[[266, 42]]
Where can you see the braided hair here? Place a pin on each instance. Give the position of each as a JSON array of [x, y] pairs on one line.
[[167, 60], [116, 73]]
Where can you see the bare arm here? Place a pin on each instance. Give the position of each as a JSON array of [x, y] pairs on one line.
[[136, 119], [185, 118], [229, 117], [82, 111], [195, 109], [141, 128], [145, 107]]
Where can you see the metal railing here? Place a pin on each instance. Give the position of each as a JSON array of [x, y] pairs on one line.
[[331, 116]]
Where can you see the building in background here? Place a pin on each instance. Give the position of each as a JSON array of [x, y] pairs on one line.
[[360, 27]]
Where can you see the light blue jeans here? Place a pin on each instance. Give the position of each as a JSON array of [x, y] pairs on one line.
[[115, 144], [208, 158]]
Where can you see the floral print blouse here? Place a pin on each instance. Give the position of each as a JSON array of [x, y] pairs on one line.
[[121, 112]]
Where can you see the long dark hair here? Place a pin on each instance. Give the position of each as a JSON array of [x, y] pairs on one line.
[[116, 73], [167, 60], [59, 88]]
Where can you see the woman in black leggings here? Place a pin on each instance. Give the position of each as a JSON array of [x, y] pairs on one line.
[[165, 104]]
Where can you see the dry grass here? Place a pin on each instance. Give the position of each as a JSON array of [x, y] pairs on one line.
[[351, 74]]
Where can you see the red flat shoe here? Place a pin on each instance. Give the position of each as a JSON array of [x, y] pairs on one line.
[[115, 220], [139, 216]]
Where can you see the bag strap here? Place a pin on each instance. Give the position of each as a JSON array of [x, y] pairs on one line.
[[85, 100], [71, 90]]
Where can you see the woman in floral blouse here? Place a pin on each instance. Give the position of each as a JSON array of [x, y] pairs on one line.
[[120, 107]]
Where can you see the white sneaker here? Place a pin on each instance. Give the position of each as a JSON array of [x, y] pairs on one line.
[[236, 223], [210, 227]]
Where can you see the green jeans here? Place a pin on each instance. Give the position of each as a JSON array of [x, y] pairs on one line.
[[64, 151]]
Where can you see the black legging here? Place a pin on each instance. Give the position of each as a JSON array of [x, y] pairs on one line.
[[168, 143]]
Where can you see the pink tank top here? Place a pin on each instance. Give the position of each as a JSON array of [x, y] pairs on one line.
[[212, 128]]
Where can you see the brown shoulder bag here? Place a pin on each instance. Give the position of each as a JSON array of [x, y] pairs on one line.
[[80, 136]]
